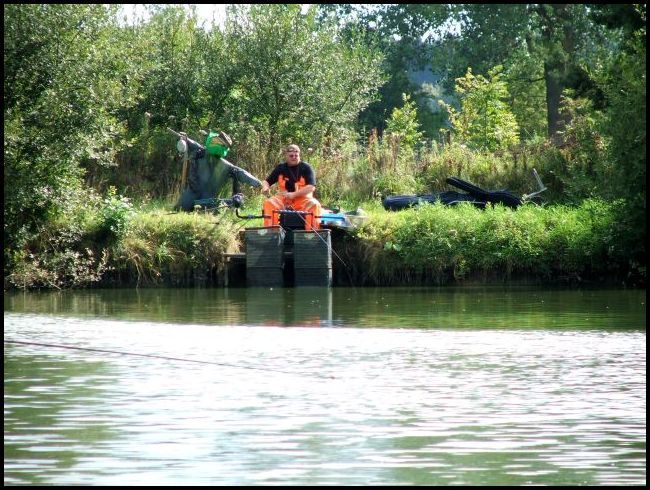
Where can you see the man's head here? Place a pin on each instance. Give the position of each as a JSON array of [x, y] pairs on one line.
[[292, 154], [218, 144]]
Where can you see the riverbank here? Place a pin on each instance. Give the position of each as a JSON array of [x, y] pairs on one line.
[[429, 245], [438, 245]]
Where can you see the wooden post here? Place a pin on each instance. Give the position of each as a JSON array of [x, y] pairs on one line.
[[185, 163]]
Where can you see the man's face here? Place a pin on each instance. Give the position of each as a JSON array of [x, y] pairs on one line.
[[292, 155]]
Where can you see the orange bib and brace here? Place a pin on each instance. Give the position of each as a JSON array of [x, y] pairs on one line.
[[287, 178]]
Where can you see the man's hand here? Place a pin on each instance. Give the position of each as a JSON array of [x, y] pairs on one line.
[[265, 187]]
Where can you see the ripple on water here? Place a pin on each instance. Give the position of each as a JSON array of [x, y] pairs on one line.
[[318, 406]]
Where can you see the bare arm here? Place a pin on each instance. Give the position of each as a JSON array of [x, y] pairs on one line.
[[303, 191]]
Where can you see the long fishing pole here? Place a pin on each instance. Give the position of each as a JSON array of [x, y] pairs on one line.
[[167, 358]]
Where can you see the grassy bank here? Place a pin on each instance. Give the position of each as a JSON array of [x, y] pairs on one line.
[[432, 244], [435, 244], [173, 249]]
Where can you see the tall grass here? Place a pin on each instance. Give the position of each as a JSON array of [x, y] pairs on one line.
[[110, 241], [348, 169], [359, 172], [175, 249], [436, 244]]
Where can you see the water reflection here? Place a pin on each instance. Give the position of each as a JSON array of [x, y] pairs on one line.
[[478, 307], [305, 307]]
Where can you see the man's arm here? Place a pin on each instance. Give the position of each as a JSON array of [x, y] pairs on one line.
[[271, 179], [303, 191]]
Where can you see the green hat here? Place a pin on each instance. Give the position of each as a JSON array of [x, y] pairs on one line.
[[218, 144]]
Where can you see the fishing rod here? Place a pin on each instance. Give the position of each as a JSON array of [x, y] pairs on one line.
[[166, 358]]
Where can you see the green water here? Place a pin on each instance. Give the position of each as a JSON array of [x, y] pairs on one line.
[[431, 386], [477, 307]]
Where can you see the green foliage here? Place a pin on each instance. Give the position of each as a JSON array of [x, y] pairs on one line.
[[484, 35], [67, 252], [543, 47], [299, 82], [66, 268], [357, 173], [169, 50], [485, 120], [116, 213], [394, 182], [579, 167], [398, 29], [77, 86], [61, 94], [507, 170], [437, 244], [181, 249], [272, 76], [403, 125], [524, 74], [624, 85], [392, 156]]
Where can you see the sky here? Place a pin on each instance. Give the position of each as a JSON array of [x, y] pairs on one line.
[[205, 12]]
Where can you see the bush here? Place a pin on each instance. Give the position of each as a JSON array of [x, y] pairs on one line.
[[68, 251], [437, 244], [116, 213]]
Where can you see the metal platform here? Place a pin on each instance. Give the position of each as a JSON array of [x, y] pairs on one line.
[[272, 260]]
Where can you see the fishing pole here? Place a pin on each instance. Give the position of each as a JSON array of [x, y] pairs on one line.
[[166, 358]]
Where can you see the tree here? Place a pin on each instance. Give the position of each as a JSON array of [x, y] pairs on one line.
[[403, 124], [624, 83], [558, 37], [299, 80], [170, 53], [63, 86], [402, 33], [485, 120]]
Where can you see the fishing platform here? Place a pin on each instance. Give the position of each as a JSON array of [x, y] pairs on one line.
[[286, 255]]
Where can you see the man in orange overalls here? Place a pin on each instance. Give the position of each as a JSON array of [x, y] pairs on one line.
[[297, 183]]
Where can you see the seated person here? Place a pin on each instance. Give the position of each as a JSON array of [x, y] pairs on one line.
[[297, 184]]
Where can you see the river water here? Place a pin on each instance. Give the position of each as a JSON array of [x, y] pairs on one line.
[[386, 386]]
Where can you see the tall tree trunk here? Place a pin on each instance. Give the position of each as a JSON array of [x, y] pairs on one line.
[[554, 78], [560, 43]]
